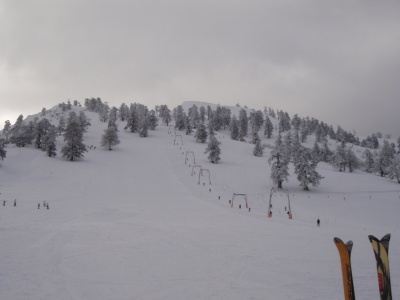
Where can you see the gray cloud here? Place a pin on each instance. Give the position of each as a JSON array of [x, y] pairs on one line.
[[336, 61]]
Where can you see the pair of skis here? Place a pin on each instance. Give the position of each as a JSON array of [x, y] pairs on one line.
[[381, 251]]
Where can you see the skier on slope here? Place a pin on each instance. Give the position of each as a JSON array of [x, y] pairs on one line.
[[318, 222]]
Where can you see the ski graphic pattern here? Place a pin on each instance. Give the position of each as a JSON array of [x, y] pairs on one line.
[[381, 251], [347, 274]]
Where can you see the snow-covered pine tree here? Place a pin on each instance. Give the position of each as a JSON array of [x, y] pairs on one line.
[[316, 151], [40, 130], [296, 145], [73, 137], [394, 168], [213, 149], [3, 152], [61, 125], [338, 159], [268, 127], [188, 126], [258, 149], [193, 115], [254, 136], [288, 144], [226, 117], [201, 134], [180, 118], [384, 159], [110, 136], [398, 142], [49, 141], [243, 124], [279, 163], [234, 128], [351, 159], [104, 112], [303, 130], [296, 122], [6, 129], [165, 114], [202, 114], [152, 119], [123, 112], [305, 168], [325, 152], [369, 161], [133, 119]]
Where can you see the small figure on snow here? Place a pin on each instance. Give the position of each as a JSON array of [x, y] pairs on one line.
[[240, 206], [4, 202], [285, 208], [15, 202], [318, 222], [47, 206], [38, 205]]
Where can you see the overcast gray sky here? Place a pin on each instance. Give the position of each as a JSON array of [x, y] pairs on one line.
[[337, 61]]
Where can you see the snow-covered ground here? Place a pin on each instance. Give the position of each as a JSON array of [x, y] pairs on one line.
[[134, 223]]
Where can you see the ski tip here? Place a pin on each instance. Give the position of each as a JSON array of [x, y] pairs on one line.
[[372, 238], [336, 240], [385, 238]]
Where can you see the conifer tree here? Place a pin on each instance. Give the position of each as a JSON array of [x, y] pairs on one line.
[[165, 114], [296, 145], [180, 118], [3, 152], [338, 159], [316, 151], [110, 136], [194, 117], [258, 149], [279, 163], [213, 149], [394, 168], [369, 161], [303, 131], [61, 125], [254, 136], [133, 120], [398, 143], [325, 152], [305, 168], [123, 112], [152, 120], [6, 129], [202, 114], [73, 137], [351, 159], [201, 134], [40, 130], [296, 122], [384, 159], [49, 142], [188, 126], [243, 124], [234, 128], [268, 127], [287, 144]]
